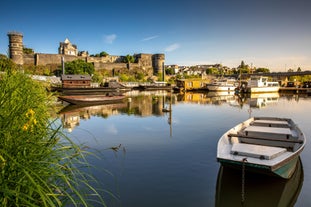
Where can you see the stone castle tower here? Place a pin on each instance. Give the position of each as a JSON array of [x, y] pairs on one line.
[[158, 63], [16, 47]]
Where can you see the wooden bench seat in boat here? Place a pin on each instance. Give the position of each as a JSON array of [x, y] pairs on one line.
[[268, 132], [256, 151], [270, 123], [268, 136]]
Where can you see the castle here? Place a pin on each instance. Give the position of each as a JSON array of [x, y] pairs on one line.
[[69, 52]]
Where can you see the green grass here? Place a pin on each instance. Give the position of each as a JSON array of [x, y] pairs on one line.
[[39, 166]]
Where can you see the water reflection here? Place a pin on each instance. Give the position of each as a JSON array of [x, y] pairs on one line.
[[259, 190], [216, 98], [156, 103], [182, 171], [72, 114], [159, 103]]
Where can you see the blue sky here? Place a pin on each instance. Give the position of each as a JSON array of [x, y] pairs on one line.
[[266, 33]]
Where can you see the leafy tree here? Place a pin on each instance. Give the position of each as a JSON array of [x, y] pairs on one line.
[[129, 59], [298, 69], [212, 71], [242, 64], [28, 50], [103, 54], [139, 76], [169, 71], [262, 70], [79, 67]]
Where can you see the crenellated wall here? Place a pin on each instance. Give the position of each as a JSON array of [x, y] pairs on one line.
[[109, 62]]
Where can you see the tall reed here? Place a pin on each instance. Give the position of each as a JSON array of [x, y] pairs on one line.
[[39, 166]]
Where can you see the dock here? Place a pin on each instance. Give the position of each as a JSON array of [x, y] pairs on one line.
[[293, 90]]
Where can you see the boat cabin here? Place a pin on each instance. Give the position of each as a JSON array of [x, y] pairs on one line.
[[260, 81], [76, 81]]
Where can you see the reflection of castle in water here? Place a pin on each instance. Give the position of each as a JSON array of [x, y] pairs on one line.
[[138, 104]]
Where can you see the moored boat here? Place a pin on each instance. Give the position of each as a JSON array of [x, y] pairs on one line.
[[223, 84], [260, 84], [92, 99], [268, 145]]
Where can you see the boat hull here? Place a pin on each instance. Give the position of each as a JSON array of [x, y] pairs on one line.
[[220, 88], [262, 89], [286, 170], [91, 99]]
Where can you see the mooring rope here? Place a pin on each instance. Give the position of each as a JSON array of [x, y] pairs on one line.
[[243, 181]]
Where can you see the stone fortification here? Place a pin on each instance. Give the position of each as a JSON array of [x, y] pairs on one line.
[[70, 52], [16, 47]]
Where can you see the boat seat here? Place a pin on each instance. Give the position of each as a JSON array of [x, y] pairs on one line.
[[257, 151], [271, 123], [268, 132]]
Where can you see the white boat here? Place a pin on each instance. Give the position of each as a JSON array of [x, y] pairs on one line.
[[259, 84], [268, 145], [223, 84]]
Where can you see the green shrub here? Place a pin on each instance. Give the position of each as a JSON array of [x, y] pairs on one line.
[[38, 165]]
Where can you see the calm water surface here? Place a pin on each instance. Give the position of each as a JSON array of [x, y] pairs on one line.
[[169, 158]]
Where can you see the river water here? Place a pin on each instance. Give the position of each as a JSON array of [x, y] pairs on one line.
[[152, 157]]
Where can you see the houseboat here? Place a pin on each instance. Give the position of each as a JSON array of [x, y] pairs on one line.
[[260, 84]]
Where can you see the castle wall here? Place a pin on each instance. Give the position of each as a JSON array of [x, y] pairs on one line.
[[107, 59], [29, 59], [46, 59], [110, 66], [110, 62], [144, 60]]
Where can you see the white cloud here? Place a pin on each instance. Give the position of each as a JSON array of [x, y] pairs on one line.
[[110, 38], [172, 47], [111, 129], [150, 38]]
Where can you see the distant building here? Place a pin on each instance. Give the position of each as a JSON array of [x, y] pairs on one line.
[[76, 81], [66, 48], [191, 84]]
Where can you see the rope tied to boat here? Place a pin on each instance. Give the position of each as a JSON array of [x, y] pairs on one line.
[[244, 160]]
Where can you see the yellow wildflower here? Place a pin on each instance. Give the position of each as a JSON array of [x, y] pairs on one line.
[[25, 127], [30, 113]]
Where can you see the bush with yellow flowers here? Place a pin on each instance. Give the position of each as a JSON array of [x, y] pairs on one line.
[[39, 166]]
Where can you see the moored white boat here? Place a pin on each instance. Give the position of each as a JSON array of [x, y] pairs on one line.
[[222, 85], [268, 145], [260, 84]]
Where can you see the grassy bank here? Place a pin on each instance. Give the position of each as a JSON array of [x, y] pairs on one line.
[[38, 165]]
